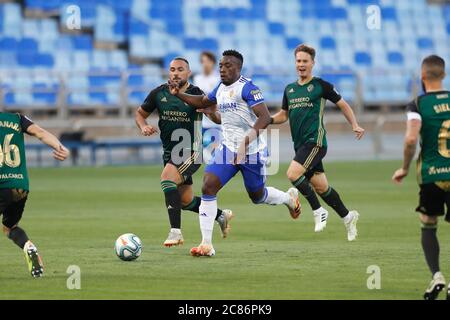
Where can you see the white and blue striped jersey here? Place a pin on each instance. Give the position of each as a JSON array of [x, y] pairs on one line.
[[235, 103]]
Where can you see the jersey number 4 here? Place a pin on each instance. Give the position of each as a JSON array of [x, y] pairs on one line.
[[10, 153]]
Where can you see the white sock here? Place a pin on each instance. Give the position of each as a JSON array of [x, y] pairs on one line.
[[176, 230], [348, 217], [274, 196], [319, 211], [207, 215]]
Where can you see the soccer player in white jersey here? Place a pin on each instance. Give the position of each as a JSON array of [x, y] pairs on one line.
[[207, 80], [243, 114]]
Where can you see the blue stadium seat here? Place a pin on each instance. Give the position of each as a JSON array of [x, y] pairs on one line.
[[395, 58], [327, 43], [27, 45], [363, 59], [226, 27], [276, 28], [293, 42], [388, 13], [425, 43], [82, 42], [44, 60], [8, 44]]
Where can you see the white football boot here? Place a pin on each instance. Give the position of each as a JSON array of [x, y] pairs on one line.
[[224, 222], [436, 285], [320, 219], [205, 250], [294, 206], [174, 238], [350, 224]]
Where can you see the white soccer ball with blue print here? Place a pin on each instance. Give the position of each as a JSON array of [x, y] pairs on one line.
[[128, 247]]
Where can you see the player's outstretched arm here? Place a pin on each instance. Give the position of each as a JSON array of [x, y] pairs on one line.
[[350, 116], [196, 101], [279, 117], [140, 118], [59, 151], [212, 114], [409, 150]]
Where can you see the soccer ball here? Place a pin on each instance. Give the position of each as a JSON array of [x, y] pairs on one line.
[[128, 247]]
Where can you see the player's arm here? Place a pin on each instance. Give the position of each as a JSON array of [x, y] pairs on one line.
[[212, 114], [262, 112], [196, 101], [351, 118], [283, 115], [60, 152], [413, 126], [143, 112]]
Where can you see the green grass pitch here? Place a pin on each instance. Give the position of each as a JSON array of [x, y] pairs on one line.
[[74, 216]]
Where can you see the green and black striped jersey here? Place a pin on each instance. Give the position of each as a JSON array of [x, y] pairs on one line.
[[433, 109], [305, 104], [174, 114]]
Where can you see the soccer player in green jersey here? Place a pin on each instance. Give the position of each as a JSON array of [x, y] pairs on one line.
[[14, 184], [303, 105], [429, 120], [181, 137]]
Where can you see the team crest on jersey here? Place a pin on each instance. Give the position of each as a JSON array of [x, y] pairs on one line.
[[231, 93], [310, 88]]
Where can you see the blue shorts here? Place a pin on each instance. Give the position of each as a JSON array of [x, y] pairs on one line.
[[253, 170]]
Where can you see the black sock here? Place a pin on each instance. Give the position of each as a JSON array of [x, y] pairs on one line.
[[173, 202], [305, 188], [331, 197], [18, 236], [195, 206], [430, 245]]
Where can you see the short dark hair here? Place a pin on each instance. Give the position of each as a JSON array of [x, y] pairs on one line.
[[235, 54], [305, 48], [209, 55], [181, 59], [434, 67]]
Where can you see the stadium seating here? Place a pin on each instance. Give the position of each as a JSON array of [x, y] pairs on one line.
[[265, 31]]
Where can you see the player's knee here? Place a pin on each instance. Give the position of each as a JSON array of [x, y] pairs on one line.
[[6, 231], [321, 189], [428, 220], [292, 175], [185, 201]]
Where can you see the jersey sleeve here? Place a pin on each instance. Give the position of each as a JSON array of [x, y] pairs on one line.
[[25, 122], [284, 103], [412, 111], [212, 95], [251, 94], [149, 103], [330, 92]]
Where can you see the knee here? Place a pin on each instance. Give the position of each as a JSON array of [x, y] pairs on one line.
[[185, 201], [321, 189], [428, 220], [292, 175], [6, 231], [209, 188]]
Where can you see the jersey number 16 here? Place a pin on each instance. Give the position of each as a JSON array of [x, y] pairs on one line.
[[9, 154]]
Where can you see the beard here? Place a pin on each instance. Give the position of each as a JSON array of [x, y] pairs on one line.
[[180, 82]]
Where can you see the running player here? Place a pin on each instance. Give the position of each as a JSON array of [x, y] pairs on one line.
[[243, 114], [429, 120], [14, 183], [303, 105], [176, 177]]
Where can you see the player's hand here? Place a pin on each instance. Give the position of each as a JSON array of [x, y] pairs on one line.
[[399, 175], [61, 153], [359, 132], [209, 110], [174, 87], [148, 130], [240, 155]]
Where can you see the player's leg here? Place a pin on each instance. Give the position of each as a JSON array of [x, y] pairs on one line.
[[254, 176], [217, 174], [170, 179], [299, 172], [12, 214], [331, 197], [431, 205], [192, 203]]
